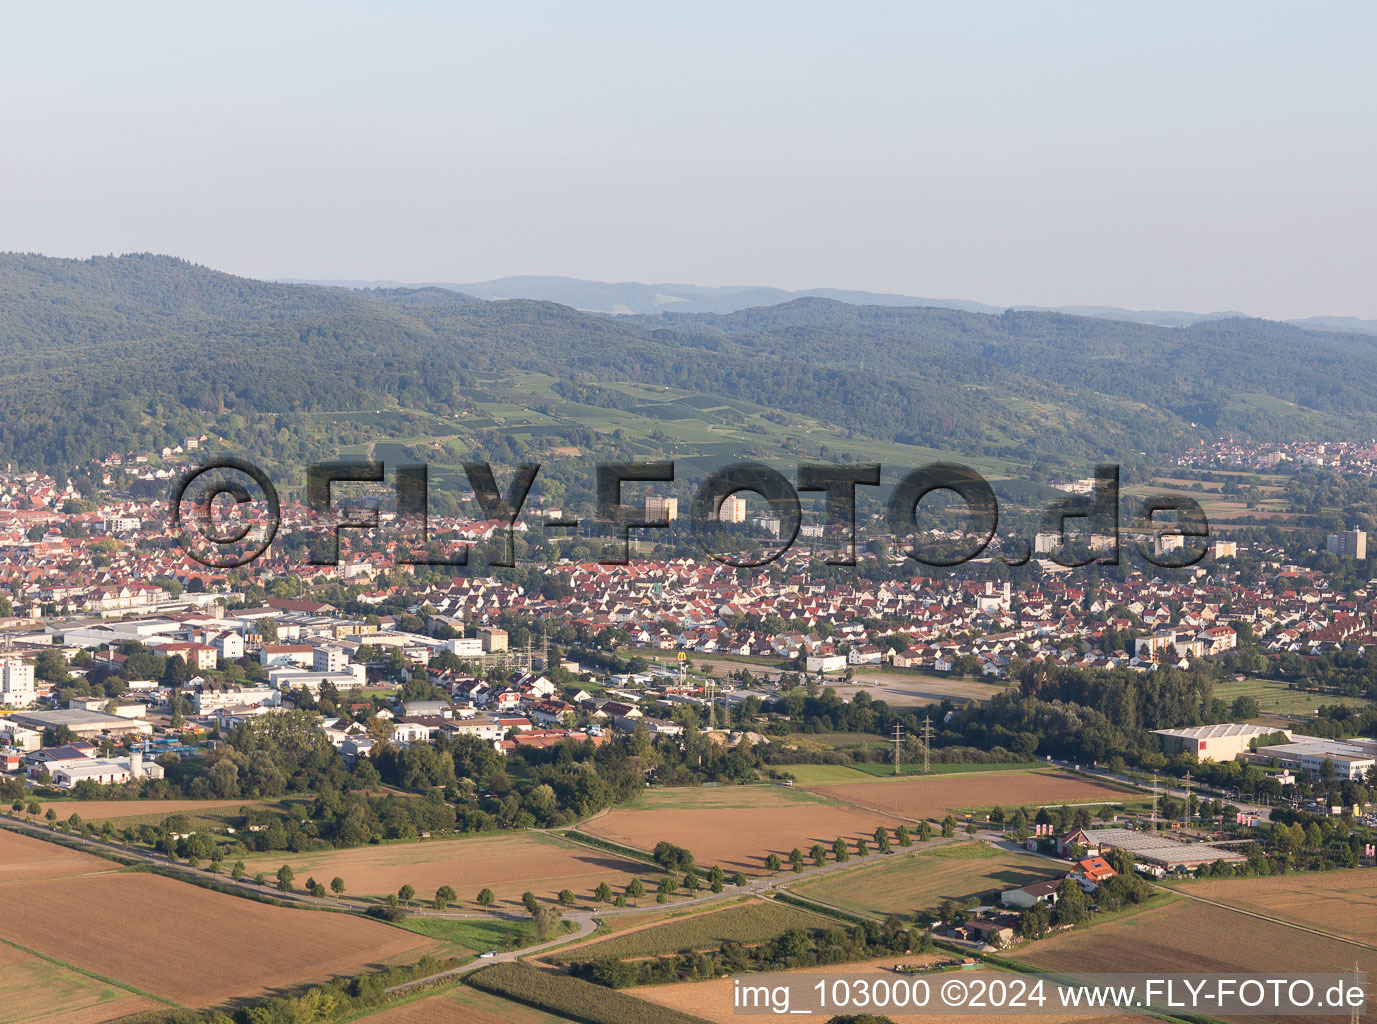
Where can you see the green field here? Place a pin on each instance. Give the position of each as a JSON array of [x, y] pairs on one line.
[[825, 774], [754, 921], [1275, 698], [917, 884], [475, 934]]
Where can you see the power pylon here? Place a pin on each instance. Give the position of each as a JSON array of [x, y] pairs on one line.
[[927, 744], [898, 744]]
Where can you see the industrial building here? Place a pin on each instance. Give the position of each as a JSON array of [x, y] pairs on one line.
[[83, 724], [1215, 742]]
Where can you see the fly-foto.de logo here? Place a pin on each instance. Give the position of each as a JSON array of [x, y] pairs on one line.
[[222, 524]]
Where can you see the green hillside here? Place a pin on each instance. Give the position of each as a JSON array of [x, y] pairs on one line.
[[134, 352]]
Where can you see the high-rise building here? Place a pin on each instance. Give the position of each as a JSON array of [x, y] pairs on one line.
[[17, 687], [1349, 544], [661, 509], [733, 510]]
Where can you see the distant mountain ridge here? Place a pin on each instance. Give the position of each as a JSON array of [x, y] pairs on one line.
[[133, 352], [633, 297]]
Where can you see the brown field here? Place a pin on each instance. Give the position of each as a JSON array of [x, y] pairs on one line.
[[139, 928], [463, 1005], [1342, 902], [23, 858], [712, 1000], [736, 826], [919, 883], [1186, 935], [508, 864], [933, 797], [34, 991]]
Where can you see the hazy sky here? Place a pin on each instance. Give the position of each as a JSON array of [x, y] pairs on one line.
[[1188, 156]]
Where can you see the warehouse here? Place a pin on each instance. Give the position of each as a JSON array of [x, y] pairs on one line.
[[1151, 851], [83, 724], [1214, 742]]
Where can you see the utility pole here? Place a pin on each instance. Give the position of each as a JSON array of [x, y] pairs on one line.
[[898, 744], [1188, 799], [927, 743], [709, 687]]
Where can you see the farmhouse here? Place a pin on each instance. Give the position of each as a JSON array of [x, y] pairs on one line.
[[1026, 895]]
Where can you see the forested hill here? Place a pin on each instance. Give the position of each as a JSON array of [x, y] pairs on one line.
[[115, 354]]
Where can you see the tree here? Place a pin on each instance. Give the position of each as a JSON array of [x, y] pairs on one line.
[[237, 870], [337, 885], [528, 900], [50, 815], [796, 860], [1073, 907], [841, 853], [924, 831], [818, 854], [901, 834], [603, 893], [444, 896], [260, 879], [691, 881], [545, 919], [882, 839], [1035, 922], [285, 877], [406, 893], [772, 863], [318, 891], [862, 850], [739, 879], [567, 897], [635, 889], [948, 827], [486, 897]]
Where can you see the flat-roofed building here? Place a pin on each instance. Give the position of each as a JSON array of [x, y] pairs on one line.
[[1215, 742], [84, 724]]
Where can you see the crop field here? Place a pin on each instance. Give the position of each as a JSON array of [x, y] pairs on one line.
[[1276, 698], [736, 826], [755, 921], [582, 1000], [712, 1000], [26, 859], [919, 883], [1342, 902], [138, 928], [463, 1005], [203, 813], [934, 797], [1194, 936], [826, 774], [37, 991], [508, 864]]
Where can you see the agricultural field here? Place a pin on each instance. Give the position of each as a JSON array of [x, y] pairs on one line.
[[826, 774], [1275, 698], [753, 921], [37, 991], [582, 1000], [463, 1005], [1189, 935], [508, 864], [712, 1000], [138, 928], [202, 813], [1342, 902], [736, 826], [917, 884], [23, 858], [934, 797]]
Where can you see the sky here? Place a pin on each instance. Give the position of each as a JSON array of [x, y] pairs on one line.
[[1184, 156]]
